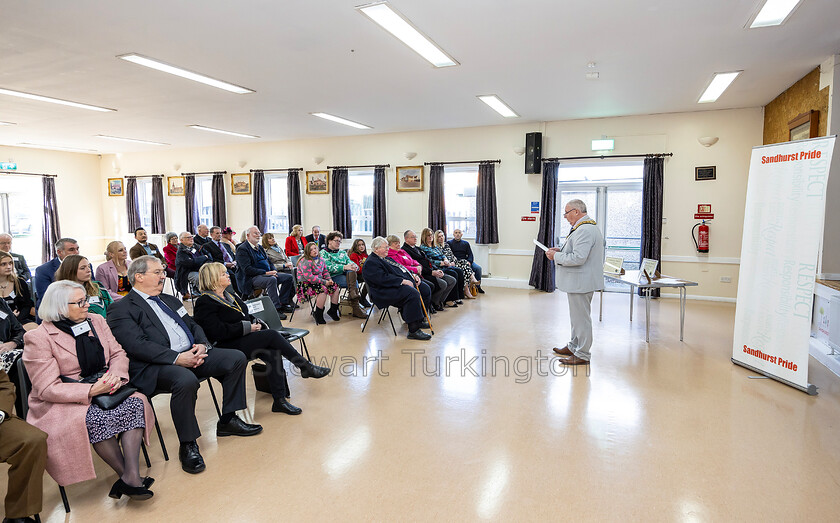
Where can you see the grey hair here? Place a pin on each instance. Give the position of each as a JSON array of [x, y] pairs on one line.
[[5, 234], [405, 234], [61, 243], [139, 266], [577, 204], [249, 228], [214, 228], [392, 238], [185, 233], [169, 236], [377, 242], [54, 304]]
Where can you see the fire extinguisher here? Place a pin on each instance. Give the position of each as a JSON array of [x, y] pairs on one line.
[[703, 243]]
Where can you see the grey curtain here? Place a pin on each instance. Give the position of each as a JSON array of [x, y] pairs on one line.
[[293, 190], [131, 206], [542, 269], [190, 203], [342, 221], [259, 200], [217, 190], [379, 222], [158, 215], [51, 231], [437, 207], [486, 219], [653, 179]]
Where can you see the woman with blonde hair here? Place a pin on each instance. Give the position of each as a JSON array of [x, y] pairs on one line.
[[77, 268], [295, 243], [114, 272], [464, 265], [314, 280], [15, 291], [437, 258]]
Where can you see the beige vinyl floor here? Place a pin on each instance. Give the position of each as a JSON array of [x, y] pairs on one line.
[[666, 431]]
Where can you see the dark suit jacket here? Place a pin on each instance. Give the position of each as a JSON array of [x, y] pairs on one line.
[[10, 330], [426, 265], [383, 280], [221, 322], [186, 262], [138, 250], [211, 249], [144, 338], [23, 302], [44, 275], [246, 267], [21, 267], [199, 241], [322, 240], [461, 249]]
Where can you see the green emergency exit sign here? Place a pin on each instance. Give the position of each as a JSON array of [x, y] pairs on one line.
[[8, 166]]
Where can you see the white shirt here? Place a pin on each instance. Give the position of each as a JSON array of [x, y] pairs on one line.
[[178, 340]]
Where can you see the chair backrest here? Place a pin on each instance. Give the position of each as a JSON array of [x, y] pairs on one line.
[[267, 313]]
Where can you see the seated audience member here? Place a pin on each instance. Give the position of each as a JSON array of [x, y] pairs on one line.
[[15, 291], [11, 347], [443, 285], [24, 447], [20, 261], [276, 255], [76, 268], [170, 252], [144, 248], [202, 235], [169, 353], [253, 271], [413, 268], [314, 280], [295, 243], [113, 274], [187, 262], [464, 265], [358, 254], [222, 253], [227, 237], [342, 270], [437, 258], [317, 238], [391, 285], [45, 273], [226, 321], [462, 251], [72, 358]]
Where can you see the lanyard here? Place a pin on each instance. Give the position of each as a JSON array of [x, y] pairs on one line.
[[226, 303], [578, 225]]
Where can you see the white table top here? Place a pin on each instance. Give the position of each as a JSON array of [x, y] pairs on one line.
[[632, 278]]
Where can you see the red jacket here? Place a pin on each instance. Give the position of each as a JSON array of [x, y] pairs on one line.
[[358, 259], [291, 246]]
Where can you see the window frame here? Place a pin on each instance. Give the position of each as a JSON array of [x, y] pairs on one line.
[[284, 177], [199, 181], [361, 219], [462, 170]]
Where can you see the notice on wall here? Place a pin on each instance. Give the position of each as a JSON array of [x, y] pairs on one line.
[[783, 224]]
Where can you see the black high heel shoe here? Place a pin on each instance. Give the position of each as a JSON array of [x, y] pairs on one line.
[[135, 493]]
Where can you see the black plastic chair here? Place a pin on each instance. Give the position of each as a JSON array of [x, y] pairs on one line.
[[385, 312], [267, 313]]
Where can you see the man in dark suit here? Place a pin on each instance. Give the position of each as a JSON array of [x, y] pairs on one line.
[[169, 352], [443, 285], [222, 253], [316, 236], [254, 271], [202, 235], [143, 247], [20, 262], [188, 260], [391, 285], [45, 273]]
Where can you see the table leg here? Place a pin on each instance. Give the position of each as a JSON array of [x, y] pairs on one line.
[[601, 312], [647, 315], [632, 295], [683, 292]]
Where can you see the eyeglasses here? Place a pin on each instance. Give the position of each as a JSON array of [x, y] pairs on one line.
[[159, 272], [567, 212], [81, 303]]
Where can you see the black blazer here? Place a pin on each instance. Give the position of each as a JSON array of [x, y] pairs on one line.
[[23, 302], [144, 338], [384, 280], [222, 322], [246, 266], [322, 240], [186, 262], [426, 265], [211, 249], [10, 327], [199, 241]]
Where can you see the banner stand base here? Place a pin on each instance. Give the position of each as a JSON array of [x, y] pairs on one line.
[[811, 390]]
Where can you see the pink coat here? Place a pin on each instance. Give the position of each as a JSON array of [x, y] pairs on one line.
[[107, 275], [404, 259], [59, 409]]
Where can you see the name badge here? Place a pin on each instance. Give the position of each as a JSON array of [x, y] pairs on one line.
[[255, 307], [192, 250], [181, 312], [80, 329], [16, 258], [3, 315], [95, 300]]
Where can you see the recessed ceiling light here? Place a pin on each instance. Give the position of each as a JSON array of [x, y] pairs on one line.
[[774, 12], [717, 86], [498, 105], [55, 147], [398, 25], [212, 130], [7, 123], [341, 120], [59, 101], [133, 140], [183, 73]]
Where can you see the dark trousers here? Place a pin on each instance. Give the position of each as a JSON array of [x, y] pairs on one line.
[[477, 270], [24, 448], [278, 287], [226, 365], [408, 301], [458, 273], [269, 346]]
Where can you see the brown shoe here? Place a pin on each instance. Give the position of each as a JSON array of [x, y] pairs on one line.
[[574, 360], [564, 351], [357, 311]]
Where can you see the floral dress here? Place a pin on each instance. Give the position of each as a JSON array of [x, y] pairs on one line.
[[313, 279], [464, 265]]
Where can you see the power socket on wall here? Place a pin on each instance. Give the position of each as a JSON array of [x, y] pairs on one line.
[[726, 279]]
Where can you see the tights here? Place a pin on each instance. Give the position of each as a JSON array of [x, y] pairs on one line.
[[125, 461]]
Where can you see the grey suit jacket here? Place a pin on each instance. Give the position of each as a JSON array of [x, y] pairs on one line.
[[580, 262]]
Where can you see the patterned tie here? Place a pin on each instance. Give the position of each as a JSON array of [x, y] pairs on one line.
[[225, 255], [174, 316]]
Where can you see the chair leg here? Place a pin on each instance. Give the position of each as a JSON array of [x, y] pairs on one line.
[[305, 350], [145, 454], [392, 321], [382, 316], [370, 311], [215, 401], [37, 518], [159, 433], [64, 499]]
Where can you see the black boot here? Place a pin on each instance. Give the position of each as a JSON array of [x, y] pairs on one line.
[[333, 312], [363, 298], [319, 316]]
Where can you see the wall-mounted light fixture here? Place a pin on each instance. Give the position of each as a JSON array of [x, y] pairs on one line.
[[708, 141]]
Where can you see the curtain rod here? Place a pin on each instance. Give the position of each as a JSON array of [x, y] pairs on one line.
[[147, 176], [386, 165], [604, 157], [206, 172], [278, 170], [30, 174], [457, 163]]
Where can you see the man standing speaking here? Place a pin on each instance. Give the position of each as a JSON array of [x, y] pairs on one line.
[[579, 273]]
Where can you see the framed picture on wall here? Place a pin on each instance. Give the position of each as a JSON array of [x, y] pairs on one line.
[[240, 183], [317, 182], [410, 178], [115, 186], [175, 185], [804, 126]]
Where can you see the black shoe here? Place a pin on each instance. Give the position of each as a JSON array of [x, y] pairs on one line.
[[18, 520], [313, 371], [480, 290], [438, 307], [237, 427], [425, 325], [288, 308], [452, 306], [419, 335], [281, 315], [135, 493], [148, 481], [432, 310], [459, 302], [297, 305], [191, 460], [333, 313], [285, 407]]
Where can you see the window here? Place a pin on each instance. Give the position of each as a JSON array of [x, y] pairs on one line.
[[360, 185], [144, 202], [22, 215], [204, 199], [277, 208], [459, 187]]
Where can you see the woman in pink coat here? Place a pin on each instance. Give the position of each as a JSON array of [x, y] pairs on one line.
[[113, 274], [72, 344]]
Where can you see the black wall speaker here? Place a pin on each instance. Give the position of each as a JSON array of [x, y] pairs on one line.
[[533, 153]]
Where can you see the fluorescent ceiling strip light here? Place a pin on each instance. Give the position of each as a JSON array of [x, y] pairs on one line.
[[59, 101], [717, 86], [55, 147], [395, 23], [133, 140], [222, 131], [498, 105], [7, 123], [183, 73], [341, 120], [774, 12]]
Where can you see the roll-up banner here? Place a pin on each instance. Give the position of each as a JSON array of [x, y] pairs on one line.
[[783, 226]]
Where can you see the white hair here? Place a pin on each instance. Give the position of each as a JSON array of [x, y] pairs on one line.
[[377, 242], [54, 305], [577, 204]]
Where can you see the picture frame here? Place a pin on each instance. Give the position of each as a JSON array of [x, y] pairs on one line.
[[708, 172], [115, 187], [410, 179], [804, 126], [317, 182], [240, 183], [175, 186]]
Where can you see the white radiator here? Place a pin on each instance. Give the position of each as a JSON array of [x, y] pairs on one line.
[[481, 254], [834, 321]]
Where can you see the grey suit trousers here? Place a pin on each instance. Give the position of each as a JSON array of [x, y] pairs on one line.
[[580, 308]]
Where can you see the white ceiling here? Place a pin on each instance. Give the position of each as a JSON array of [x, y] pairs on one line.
[[303, 56]]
